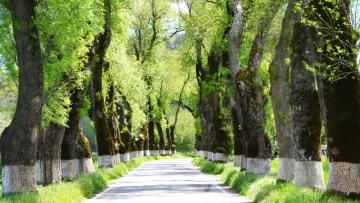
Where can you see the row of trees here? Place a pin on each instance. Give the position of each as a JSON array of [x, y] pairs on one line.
[[312, 84], [97, 59]]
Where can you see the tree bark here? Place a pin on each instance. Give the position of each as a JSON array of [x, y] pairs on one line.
[[235, 36], [75, 149], [48, 164], [305, 109], [258, 149], [341, 96], [279, 79], [104, 137], [19, 140]]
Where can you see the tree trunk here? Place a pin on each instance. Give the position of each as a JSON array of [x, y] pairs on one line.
[[103, 132], [75, 149], [221, 142], [19, 140], [235, 37], [258, 154], [48, 164], [305, 109], [279, 79], [341, 96], [161, 136]]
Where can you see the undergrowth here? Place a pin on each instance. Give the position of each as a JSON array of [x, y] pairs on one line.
[[263, 188]]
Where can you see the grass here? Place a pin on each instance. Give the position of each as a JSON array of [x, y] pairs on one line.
[[263, 188], [84, 186]]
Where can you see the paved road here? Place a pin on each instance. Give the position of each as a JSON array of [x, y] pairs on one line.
[[173, 180]]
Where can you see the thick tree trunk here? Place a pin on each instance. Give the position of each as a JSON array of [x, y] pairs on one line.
[[104, 137], [48, 164], [279, 79], [341, 96], [221, 142], [19, 140], [258, 154], [75, 149], [305, 109], [234, 43]]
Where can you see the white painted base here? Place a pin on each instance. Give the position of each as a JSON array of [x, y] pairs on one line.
[[309, 174], [141, 153], [88, 165], [244, 163], [210, 156], [344, 177], [107, 161], [127, 156], [286, 169], [17, 178], [162, 152], [220, 157], [168, 152], [173, 152], [133, 154], [154, 152], [147, 152], [202, 154], [39, 172], [123, 157], [70, 168], [258, 166], [238, 159], [117, 158]]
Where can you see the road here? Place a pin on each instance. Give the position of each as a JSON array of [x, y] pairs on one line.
[[168, 181]]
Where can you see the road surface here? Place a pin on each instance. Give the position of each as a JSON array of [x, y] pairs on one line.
[[168, 181]]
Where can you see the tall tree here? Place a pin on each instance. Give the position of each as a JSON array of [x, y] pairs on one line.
[[258, 149], [235, 36], [305, 108], [104, 137], [19, 140], [336, 47], [280, 89]]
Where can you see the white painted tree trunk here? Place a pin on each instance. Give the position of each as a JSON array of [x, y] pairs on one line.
[[16, 178], [258, 166], [147, 152], [220, 157], [309, 174], [344, 177], [107, 161], [70, 168], [154, 152], [88, 165], [286, 169], [238, 159]]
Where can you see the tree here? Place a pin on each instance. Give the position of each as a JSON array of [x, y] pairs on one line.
[[305, 108], [336, 47], [19, 140], [235, 10], [279, 78], [106, 149]]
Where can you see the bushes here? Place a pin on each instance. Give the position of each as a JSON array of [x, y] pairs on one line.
[[263, 188]]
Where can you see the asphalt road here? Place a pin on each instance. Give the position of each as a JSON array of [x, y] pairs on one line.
[[172, 180]]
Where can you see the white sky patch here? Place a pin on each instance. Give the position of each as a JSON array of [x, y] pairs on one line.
[[180, 7]]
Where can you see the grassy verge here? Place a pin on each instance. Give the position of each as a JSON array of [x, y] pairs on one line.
[[84, 186], [263, 188]]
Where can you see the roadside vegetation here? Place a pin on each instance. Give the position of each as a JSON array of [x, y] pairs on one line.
[[263, 188]]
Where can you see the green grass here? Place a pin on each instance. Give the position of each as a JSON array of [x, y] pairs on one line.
[[83, 187], [263, 188]]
